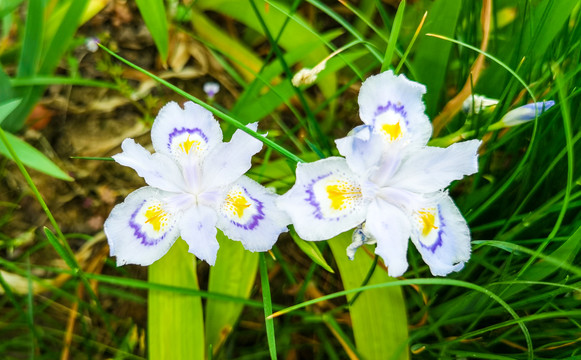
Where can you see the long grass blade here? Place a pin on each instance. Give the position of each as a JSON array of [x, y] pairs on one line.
[[267, 303]]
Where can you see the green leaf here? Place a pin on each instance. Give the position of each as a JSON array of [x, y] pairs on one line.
[[63, 253], [153, 12], [267, 303], [7, 107], [57, 43], [431, 57], [221, 315], [378, 316], [295, 36], [393, 37], [312, 251], [33, 158], [175, 321], [32, 43], [27, 154]]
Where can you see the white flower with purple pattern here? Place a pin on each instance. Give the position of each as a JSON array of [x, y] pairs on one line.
[[389, 185], [196, 185]]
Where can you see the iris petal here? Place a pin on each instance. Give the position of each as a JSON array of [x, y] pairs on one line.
[[442, 237], [391, 228], [393, 106], [185, 133], [142, 228], [326, 200], [198, 229], [431, 168], [228, 161], [156, 169], [248, 213]]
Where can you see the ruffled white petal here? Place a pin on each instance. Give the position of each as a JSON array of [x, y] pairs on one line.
[[326, 199], [248, 213], [362, 149], [198, 229], [228, 161], [442, 237], [431, 169], [157, 169], [393, 106], [391, 228], [143, 228], [184, 133]]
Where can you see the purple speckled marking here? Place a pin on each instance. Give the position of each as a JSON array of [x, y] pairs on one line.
[[253, 222], [145, 241], [177, 132], [391, 106], [438, 242], [311, 199]]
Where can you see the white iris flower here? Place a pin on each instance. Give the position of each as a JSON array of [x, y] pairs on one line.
[[196, 184], [389, 181]]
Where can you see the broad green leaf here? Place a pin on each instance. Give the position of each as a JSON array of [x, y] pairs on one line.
[[153, 12], [233, 274], [378, 316], [211, 32], [7, 107], [312, 251], [175, 321], [431, 57], [28, 154]]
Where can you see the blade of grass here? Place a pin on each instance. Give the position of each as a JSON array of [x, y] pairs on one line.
[[435, 282], [411, 45], [392, 42], [56, 80], [210, 108], [267, 303], [431, 59], [496, 60]]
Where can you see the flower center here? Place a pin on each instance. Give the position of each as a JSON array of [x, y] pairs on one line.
[[390, 121], [391, 131], [187, 145]]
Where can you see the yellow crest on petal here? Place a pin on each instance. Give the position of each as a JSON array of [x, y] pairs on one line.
[[428, 221], [341, 192], [392, 131], [156, 217], [237, 203], [188, 144]]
